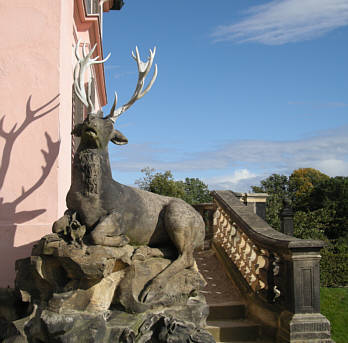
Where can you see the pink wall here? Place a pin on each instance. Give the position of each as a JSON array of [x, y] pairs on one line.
[[36, 69]]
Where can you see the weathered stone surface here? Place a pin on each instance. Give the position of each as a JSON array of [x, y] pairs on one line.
[[161, 328], [11, 305], [140, 273], [195, 311], [90, 293], [29, 279], [149, 327], [77, 327], [7, 330], [91, 262], [94, 299]]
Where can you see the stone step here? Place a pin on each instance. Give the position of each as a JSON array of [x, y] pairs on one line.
[[233, 330], [228, 311]]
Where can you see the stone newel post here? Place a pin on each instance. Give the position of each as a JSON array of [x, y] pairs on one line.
[[287, 218]]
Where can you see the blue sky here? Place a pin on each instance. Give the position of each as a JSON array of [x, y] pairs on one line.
[[244, 88]]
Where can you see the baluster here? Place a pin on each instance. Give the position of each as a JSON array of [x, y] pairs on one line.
[[253, 267], [263, 262], [232, 248], [242, 247]]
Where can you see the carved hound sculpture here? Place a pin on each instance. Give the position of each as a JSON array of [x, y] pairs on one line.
[[115, 214]]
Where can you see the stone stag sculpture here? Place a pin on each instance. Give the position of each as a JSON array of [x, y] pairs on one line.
[[113, 214], [119, 264]]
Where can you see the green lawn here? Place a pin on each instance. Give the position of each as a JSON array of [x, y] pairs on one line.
[[334, 305]]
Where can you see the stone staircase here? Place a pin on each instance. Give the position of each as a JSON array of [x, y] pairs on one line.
[[228, 323], [276, 275], [227, 320]]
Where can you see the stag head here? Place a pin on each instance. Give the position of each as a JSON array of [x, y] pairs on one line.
[[96, 131]]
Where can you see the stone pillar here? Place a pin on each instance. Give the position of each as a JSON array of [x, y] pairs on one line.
[[287, 218], [304, 322], [257, 201]]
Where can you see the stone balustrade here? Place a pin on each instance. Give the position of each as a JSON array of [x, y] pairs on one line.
[[252, 261], [278, 275]]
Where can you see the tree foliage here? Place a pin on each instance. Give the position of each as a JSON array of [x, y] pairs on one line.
[[333, 194], [313, 224], [196, 191], [321, 212], [276, 186], [302, 183], [192, 190]]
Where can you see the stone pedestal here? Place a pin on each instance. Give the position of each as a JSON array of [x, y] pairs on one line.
[[306, 328], [72, 292]]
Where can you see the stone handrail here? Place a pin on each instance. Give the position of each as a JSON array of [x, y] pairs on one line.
[[277, 274]]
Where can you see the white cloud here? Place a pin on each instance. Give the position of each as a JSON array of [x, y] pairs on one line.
[[326, 151], [238, 175], [283, 21], [332, 167], [239, 181]]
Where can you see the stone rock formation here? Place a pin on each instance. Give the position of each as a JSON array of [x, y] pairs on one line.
[[68, 291]]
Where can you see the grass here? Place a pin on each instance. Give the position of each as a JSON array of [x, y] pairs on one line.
[[334, 305]]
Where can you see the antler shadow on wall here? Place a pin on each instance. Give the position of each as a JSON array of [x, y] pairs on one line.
[[8, 210]]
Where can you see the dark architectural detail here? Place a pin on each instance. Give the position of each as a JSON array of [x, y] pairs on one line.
[[287, 218], [118, 4]]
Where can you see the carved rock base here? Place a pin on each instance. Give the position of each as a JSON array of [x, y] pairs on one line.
[[69, 292]]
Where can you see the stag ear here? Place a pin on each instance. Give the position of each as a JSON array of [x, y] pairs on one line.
[[77, 130], [118, 138]]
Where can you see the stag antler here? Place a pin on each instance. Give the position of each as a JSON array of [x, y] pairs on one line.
[[79, 74], [143, 69]]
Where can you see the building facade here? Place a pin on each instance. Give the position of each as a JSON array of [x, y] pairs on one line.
[[37, 111]]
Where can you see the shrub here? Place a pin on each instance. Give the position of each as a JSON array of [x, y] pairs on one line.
[[334, 266]]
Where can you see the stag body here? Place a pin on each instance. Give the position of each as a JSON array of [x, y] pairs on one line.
[[115, 214], [110, 209]]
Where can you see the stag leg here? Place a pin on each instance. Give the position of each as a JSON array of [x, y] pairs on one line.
[[108, 233], [185, 228]]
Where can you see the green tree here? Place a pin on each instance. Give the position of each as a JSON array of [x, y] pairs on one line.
[[313, 224], [145, 182], [196, 191], [276, 186], [161, 183], [192, 190], [321, 212], [332, 194], [302, 182]]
